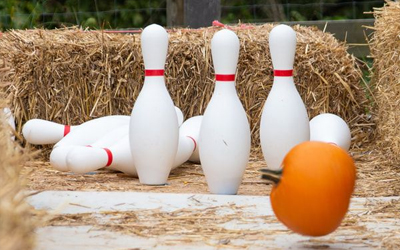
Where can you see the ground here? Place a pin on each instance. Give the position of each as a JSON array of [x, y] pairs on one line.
[[183, 215], [376, 177]]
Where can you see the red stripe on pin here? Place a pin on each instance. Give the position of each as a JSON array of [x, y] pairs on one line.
[[283, 72], [67, 129], [225, 78], [194, 141], [154, 72], [110, 157]]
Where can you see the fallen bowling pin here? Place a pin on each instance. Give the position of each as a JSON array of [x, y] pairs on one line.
[[86, 134], [102, 131], [90, 131], [83, 159], [224, 141], [191, 129], [10, 120], [284, 120], [332, 129], [39, 132], [153, 132], [58, 156], [117, 156]]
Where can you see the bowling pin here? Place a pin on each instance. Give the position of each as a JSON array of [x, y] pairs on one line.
[[83, 159], [179, 115], [39, 132], [10, 120], [102, 137], [224, 142], [332, 129], [188, 140], [90, 131], [153, 128], [85, 134], [284, 120], [191, 129], [117, 155]]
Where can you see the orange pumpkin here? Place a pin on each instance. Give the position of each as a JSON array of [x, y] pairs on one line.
[[312, 191]]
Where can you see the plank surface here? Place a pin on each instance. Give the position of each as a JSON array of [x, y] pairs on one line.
[[249, 222]]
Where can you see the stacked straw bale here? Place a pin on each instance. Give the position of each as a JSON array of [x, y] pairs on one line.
[[71, 75], [16, 223], [385, 50]]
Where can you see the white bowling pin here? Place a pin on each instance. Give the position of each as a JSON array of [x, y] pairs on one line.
[[116, 154], [38, 131], [10, 120], [85, 134], [153, 128], [59, 155], [284, 120], [191, 129], [224, 143], [186, 146], [179, 115], [106, 138], [330, 128], [90, 131]]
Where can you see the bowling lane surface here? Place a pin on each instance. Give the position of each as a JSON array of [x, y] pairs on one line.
[[131, 220]]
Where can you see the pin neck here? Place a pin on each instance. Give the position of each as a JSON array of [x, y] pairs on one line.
[[154, 72], [109, 155], [225, 78], [67, 129], [194, 142], [283, 73]]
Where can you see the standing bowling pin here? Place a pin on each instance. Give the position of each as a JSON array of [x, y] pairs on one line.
[[284, 120], [153, 130], [330, 128], [224, 143]]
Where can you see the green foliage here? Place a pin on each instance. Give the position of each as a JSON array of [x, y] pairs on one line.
[[139, 13], [20, 14]]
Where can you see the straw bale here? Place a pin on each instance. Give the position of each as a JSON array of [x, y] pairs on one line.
[[71, 75], [16, 223], [385, 50]]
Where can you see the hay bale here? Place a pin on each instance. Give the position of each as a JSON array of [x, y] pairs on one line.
[[16, 223], [385, 50], [71, 76]]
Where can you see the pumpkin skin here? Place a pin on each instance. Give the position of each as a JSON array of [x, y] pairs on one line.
[[313, 193]]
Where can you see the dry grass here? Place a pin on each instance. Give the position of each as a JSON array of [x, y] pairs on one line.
[[376, 176], [16, 223], [188, 178], [385, 50], [71, 75]]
